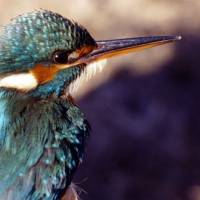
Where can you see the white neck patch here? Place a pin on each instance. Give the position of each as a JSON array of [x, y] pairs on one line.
[[89, 71], [27, 81], [21, 81]]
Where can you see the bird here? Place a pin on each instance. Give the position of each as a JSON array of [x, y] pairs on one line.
[[43, 133]]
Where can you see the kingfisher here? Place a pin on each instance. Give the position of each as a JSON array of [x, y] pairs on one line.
[[43, 133]]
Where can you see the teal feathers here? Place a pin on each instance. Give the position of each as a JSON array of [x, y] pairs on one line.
[[42, 133], [42, 143]]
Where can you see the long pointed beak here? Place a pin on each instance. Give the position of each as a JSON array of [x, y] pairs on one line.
[[110, 48]]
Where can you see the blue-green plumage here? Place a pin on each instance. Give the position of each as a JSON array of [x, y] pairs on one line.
[[42, 133], [42, 143]]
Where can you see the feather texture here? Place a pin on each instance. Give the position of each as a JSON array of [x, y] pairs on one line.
[[88, 71], [42, 143]]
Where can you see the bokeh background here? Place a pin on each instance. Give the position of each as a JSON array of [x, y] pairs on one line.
[[143, 108]]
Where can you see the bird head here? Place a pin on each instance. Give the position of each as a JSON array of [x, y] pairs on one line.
[[43, 53]]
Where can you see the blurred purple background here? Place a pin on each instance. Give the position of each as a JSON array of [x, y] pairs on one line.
[[145, 142]]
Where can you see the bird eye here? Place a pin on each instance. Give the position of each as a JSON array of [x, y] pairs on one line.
[[60, 56]]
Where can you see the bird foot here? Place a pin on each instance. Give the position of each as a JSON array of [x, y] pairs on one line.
[[71, 193]]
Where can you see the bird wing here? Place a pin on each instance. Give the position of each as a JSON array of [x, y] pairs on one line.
[[42, 148]]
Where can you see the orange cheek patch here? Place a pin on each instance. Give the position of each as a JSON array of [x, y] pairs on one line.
[[44, 74]]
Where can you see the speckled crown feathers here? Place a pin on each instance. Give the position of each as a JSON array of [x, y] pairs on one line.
[[32, 38]]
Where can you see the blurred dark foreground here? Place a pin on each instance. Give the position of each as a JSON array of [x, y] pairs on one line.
[[145, 140]]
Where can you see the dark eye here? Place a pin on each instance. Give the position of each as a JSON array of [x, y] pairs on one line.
[[60, 56]]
